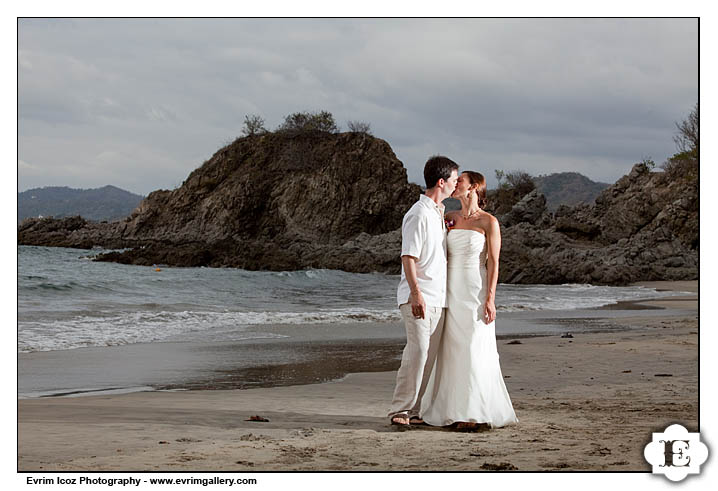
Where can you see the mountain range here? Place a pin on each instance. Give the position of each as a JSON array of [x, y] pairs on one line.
[[568, 188], [108, 203]]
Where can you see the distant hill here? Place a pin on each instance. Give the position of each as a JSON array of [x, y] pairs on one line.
[[562, 188], [106, 203], [568, 188]]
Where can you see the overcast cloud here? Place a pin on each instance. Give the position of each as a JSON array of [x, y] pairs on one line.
[[140, 103]]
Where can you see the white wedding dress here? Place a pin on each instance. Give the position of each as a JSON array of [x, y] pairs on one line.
[[466, 383]]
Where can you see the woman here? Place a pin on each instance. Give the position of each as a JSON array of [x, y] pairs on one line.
[[466, 386]]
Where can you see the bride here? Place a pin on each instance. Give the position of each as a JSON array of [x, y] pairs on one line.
[[466, 386]]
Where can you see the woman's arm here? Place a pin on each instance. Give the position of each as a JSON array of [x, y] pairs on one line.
[[493, 237]]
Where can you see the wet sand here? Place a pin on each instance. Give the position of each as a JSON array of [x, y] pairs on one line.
[[298, 355], [589, 402]]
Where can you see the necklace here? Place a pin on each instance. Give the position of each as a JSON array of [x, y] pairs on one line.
[[470, 215]]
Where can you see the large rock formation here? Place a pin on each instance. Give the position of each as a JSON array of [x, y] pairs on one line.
[[278, 201], [318, 200], [644, 227]]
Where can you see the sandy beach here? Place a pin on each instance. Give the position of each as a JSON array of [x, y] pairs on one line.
[[589, 402]]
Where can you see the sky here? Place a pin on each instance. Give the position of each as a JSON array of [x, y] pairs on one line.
[[140, 103]]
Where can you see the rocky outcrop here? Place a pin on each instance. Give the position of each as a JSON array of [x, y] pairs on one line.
[[68, 232], [644, 227], [320, 200], [530, 209], [277, 201]]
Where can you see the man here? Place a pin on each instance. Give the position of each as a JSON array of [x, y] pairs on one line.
[[422, 289]]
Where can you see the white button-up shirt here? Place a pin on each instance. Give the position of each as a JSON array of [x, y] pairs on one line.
[[423, 235]]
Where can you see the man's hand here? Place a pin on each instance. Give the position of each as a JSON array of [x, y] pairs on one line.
[[416, 299], [418, 305]]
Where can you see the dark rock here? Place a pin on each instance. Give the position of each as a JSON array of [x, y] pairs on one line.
[[578, 222], [644, 227], [319, 200], [530, 209], [503, 466], [275, 202]]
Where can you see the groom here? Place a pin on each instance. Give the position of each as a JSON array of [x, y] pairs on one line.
[[422, 289]]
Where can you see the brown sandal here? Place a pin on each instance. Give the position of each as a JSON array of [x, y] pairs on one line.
[[467, 427]]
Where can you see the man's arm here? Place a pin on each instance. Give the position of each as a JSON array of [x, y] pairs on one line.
[[416, 299]]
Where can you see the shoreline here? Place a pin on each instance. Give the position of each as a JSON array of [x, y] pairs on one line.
[[566, 392], [314, 354]]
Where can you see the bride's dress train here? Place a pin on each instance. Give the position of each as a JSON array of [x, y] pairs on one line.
[[466, 383]]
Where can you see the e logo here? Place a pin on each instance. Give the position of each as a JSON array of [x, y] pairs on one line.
[[676, 453]]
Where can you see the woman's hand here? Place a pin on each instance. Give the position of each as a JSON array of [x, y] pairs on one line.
[[489, 311]]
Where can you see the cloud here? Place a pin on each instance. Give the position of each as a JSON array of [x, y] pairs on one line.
[[546, 94]]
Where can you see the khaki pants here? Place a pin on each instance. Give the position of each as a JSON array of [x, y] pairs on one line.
[[422, 343]]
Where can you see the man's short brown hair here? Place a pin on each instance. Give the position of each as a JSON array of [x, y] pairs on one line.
[[438, 167]]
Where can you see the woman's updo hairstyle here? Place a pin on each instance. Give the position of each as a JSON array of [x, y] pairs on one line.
[[476, 178]]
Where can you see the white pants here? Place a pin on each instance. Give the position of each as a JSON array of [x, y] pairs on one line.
[[422, 344]]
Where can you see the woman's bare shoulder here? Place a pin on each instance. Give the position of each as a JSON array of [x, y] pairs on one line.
[[489, 221], [488, 217]]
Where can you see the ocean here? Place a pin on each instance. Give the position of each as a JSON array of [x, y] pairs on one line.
[[67, 301], [92, 328]]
